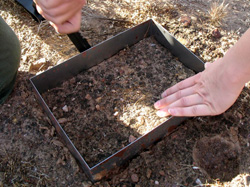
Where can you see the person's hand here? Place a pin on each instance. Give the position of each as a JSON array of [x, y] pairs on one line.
[[210, 92], [64, 15]]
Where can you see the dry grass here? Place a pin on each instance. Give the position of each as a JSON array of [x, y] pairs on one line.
[[217, 13], [19, 172], [241, 180], [133, 11], [42, 42], [37, 40]]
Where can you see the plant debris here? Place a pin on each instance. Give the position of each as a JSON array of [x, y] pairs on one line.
[[114, 100]]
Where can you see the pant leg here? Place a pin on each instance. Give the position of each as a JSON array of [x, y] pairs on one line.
[[10, 53]]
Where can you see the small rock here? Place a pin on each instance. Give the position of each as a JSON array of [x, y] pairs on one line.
[[149, 172], [57, 143], [131, 138], [65, 108], [98, 107], [157, 183], [140, 120], [216, 33], [116, 113], [198, 181], [134, 178], [60, 61], [86, 184], [72, 80], [52, 131], [239, 115], [162, 173], [98, 100], [183, 41], [38, 64], [88, 97], [186, 20], [62, 120], [247, 179]]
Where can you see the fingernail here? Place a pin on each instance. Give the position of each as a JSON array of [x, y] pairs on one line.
[[171, 111], [161, 113], [157, 104]]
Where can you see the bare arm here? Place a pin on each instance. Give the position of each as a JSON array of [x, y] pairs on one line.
[[64, 15], [212, 91]]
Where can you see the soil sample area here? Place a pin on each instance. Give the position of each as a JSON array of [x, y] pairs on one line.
[[110, 105]]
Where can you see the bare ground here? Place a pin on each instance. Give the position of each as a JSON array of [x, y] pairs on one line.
[[33, 155]]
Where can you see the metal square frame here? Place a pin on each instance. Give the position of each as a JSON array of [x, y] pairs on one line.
[[95, 55]]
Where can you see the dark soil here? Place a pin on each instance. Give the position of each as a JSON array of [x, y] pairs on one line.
[[31, 154], [112, 103]]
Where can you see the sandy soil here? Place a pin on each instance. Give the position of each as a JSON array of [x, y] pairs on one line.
[[33, 155]]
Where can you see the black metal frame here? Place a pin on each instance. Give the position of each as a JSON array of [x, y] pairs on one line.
[[95, 55]]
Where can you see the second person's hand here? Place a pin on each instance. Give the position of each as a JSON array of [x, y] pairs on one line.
[[64, 15]]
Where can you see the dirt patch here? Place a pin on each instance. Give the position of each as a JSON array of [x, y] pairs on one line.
[[31, 152], [218, 157], [114, 100]]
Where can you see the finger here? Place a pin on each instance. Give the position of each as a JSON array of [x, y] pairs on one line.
[[174, 97], [187, 101], [207, 64], [73, 25], [195, 110], [62, 12], [163, 113], [49, 4], [181, 85], [58, 15]]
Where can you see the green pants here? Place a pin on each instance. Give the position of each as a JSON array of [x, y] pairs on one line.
[[10, 53]]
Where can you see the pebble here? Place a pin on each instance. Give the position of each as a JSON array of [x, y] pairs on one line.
[[198, 181], [186, 20], [195, 167], [162, 173], [216, 33], [131, 138], [98, 100], [88, 97], [149, 172], [98, 107], [157, 183], [140, 120], [134, 178], [57, 143], [62, 120], [65, 108], [38, 64], [86, 184]]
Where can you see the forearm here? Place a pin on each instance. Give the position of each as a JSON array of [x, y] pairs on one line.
[[237, 61]]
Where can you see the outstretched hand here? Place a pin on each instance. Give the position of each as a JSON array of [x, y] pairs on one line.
[[64, 15], [207, 93]]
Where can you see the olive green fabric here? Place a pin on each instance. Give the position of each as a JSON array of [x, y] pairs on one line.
[[10, 53]]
